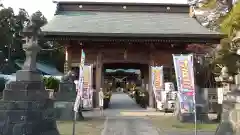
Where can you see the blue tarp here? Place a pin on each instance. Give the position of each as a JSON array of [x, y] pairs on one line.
[[44, 68]]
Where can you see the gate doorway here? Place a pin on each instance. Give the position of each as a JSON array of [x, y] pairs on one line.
[[118, 76]]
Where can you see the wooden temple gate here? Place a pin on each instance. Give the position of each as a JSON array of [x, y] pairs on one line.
[[125, 35]]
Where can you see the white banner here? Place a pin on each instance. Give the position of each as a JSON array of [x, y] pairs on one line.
[[87, 87], [157, 84], [79, 87], [220, 95]]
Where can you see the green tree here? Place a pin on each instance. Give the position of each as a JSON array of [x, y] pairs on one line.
[[231, 22], [7, 23], [39, 19], [11, 26], [226, 54], [21, 19]]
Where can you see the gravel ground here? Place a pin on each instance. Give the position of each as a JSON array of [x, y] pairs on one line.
[[90, 126]]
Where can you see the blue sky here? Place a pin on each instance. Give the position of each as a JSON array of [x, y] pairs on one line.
[[47, 7]]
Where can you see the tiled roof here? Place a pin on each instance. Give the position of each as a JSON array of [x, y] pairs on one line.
[[87, 23]]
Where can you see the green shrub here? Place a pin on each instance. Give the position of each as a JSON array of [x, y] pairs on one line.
[[141, 96], [51, 83], [107, 94], [2, 84]]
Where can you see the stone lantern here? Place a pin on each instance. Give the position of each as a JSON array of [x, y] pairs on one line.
[[27, 109], [225, 79], [230, 122], [236, 42]]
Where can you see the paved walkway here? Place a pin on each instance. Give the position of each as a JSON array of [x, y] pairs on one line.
[[119, 123]]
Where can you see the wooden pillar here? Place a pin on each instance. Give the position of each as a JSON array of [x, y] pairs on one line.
[[98, 77], [150, 88], [67, 63]]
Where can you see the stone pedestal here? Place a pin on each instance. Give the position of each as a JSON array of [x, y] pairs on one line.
[[64, 110], [67, 92], [64, 101], [230, 123], [26, 110], [26, 75]]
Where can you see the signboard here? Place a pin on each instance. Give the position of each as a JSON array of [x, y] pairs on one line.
[[79, 87], [157, 84], [219, 95], [169, 86], [183, 65]]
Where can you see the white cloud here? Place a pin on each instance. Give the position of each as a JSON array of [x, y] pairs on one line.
[[47, 7]]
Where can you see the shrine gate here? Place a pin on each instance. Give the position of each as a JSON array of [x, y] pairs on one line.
[[125, 35]]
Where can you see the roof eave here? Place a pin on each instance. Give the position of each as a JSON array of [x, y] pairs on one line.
[[136, 35], [122, 3]]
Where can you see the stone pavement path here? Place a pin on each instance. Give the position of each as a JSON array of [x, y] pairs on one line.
[[125, 117], [128, 126], [116, 124]]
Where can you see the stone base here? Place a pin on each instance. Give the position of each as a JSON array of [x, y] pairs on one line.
[[230, 114], [25, 75], [26, 110], [25, 91], [225, 128], [27, 118], [186, 117], [64, 110]]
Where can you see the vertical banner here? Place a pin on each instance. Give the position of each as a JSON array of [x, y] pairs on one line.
[[80, 83], [183, 65], [91, 87], [157, 83], [87, 83]]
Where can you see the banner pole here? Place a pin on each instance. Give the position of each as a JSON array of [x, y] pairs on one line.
[[74, 122], [79, 89], [195, 118], [195, 106]]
